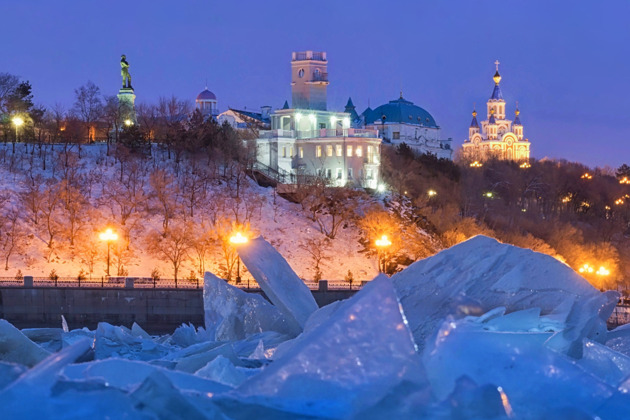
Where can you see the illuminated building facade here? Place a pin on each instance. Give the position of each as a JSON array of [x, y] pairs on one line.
[[497, 137], [307, 139]]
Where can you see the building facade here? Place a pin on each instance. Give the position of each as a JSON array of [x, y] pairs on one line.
[[401, 121], [306, 139], [497, 137]]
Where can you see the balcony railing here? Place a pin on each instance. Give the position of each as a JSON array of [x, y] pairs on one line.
[[321, 133], [310, 55], [320, 77]]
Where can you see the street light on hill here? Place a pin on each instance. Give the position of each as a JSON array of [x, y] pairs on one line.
[[239, 239], [108, 236], [382, 243], [17, 122]]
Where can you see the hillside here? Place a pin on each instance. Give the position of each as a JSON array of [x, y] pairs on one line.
[[57, 199]]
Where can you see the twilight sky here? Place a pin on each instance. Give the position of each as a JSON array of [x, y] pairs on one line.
[[567, 63]]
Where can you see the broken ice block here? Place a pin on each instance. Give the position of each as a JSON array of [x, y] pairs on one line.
[[232, 314], [490, 273], [350, 360], [279, 282]]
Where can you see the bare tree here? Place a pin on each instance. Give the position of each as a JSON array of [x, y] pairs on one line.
[[172, 247], [193, 185], [12, 236], [113, 114], [88, 106], [316, 248], [163, 196], [49, 210], [333, 209], [201, 245]]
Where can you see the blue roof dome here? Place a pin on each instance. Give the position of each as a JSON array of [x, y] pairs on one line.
[[206, 95], [400, 111]]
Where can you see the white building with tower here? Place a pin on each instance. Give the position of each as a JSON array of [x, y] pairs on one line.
[[497, 137], [307, 139]]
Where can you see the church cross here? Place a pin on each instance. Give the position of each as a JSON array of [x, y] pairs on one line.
[[496, 63]]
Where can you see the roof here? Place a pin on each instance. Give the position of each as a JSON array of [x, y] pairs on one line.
[[351, 109], [248, 114], [400, 111], [206, 95], [286, 105], [474, 122], [517, 120], [496, 93]]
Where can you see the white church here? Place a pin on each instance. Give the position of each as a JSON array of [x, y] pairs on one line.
[[497, 137]]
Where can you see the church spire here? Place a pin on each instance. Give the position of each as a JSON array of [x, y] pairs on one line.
[[497, 76], [474, 123], [496, 93], [517, 119]]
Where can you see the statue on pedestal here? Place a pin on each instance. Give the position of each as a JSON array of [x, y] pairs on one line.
[[124, 72]]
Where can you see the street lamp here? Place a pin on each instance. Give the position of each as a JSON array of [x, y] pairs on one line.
[[108, 236], [17, 122], [128, 122], [239, 239], [382, 243]]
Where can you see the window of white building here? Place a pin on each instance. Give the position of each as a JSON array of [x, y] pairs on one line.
[[328, 173], [396, 135], [370, 173], [318, 151], [350, 173], [359, 151], [339, 150], [349, 150], [291, 151], [329, 150], [339, 173], [284, 151], [301, 152], [370, 155]]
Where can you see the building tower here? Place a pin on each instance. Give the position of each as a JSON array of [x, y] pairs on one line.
[[309, 80], [206, 102], [474, 125]]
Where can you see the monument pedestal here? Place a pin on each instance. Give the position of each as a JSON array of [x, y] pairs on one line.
[[126, 100]]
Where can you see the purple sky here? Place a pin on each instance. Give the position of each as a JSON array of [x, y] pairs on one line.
[[567, 63]]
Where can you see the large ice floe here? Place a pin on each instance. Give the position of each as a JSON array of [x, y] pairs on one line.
[[482, 330]]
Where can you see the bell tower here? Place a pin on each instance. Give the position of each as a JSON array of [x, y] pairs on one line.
[[309, 80], [496, 104]]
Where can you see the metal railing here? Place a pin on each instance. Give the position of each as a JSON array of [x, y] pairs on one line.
[[102, 282], [320, 133], [279, 174], [149, 282]]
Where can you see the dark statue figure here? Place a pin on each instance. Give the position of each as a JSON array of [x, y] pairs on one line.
[[124, 72]]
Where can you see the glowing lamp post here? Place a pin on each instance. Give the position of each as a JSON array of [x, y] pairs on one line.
[[238, 239], [128, 122], [108, 236], [381, 244], [17, 122]]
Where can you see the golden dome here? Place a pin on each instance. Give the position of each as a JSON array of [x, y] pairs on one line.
[[475, 114], [497, 77]]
